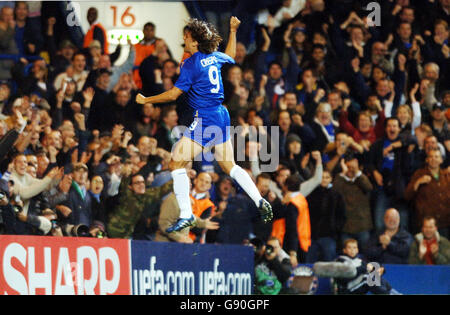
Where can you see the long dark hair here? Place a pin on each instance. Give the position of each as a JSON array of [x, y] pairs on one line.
[[205, 34]]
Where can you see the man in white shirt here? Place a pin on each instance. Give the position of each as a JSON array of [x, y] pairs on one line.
[[75, 72]]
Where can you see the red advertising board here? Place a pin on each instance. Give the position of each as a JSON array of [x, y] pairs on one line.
[[69, 266]]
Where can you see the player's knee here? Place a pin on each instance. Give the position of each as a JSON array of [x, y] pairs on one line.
[[227, 167]]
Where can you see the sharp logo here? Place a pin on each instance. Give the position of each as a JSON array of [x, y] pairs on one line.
[[64, 268]]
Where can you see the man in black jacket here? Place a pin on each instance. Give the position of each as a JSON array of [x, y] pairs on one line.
[[327, 220], [79, 200], [392, 245], [389, 167]]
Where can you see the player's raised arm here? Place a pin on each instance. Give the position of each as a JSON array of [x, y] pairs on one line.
[[231, 46], [168, 96]]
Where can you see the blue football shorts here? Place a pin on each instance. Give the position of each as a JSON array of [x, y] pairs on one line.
[[210, 126]]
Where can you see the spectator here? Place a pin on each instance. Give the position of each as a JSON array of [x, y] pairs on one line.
[[378, 57], [327, 220], [389, 168], [147, 124], [62, 58], [76, 71], [264, 183], [439, 125], [391, 246], [324, 127], [97, 119], [79, 200], [428, 191], [119, 74], [165, 132], [294, 227], [29, 39], [5, 93], [133, 198], [122, 110], [236, 217], [334, 152], [203, 210], [25, 185], [366, 131], [355, 188], [429, 247], [8, 44], [96, 32], [288, 127]]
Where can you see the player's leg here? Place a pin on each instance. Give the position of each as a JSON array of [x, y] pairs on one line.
[[224, 156], [184, 152]]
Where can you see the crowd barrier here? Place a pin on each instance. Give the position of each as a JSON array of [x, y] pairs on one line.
[[79, 266], [406, 279]]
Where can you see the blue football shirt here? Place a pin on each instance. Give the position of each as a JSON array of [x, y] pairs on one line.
[[201, 79]]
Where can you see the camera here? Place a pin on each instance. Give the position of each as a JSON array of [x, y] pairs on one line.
[[17, 209], [55, 224], [80, 230], [100, 234], [41, 202], [3, 198], [269, 249]]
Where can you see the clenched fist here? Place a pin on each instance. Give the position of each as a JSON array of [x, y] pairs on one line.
[[234, 23], [140, 99]]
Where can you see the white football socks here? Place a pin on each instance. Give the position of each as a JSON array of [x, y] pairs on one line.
[[246, 182], [181, 190]]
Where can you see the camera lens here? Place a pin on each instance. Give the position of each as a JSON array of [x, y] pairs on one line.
[[54, 224], [17, 209], [269, 249], [81, 231]]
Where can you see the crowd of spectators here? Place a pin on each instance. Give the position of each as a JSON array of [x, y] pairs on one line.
[[362, 111]]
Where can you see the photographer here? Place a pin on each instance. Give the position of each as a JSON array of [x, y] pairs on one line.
[[5, 206], [272, 267], [78, 216], [25, 185], [38, 220]]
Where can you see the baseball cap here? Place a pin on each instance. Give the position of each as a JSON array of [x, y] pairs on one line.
[[66, 43], [438, 105], [293, 138]]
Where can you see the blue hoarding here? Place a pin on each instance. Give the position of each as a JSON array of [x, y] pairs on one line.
[[408, 279], [170, 268]]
